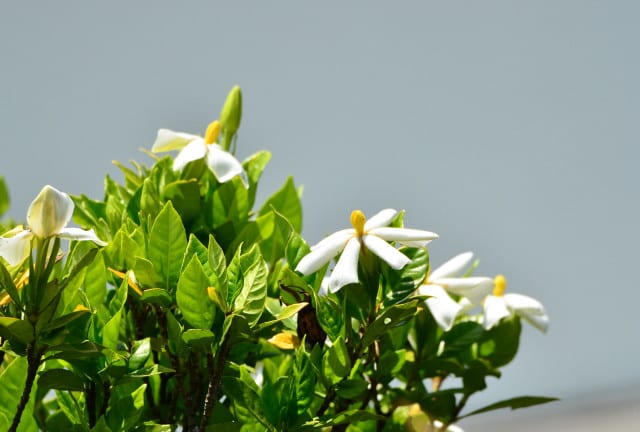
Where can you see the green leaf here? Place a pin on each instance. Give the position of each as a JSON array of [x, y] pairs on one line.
[[296, 249], [198, 310], [111, 330], [244, 393], [460, 337], [338, 358], [251, 298], [6, 283], [185, 196], [95, 281], [286, 202], [167, 244], [16, 329], [389, 318], [158, 296], [401, 283], [284, 314], [121, 252], [199, 339], [513, 403], [474, 376], [64, 320], [140, 352], [11, 388], [254, 166], [4, 197], [352, 388], [500, 344], [60, 379]]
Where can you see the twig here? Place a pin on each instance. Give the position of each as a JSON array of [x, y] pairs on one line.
[[215, 379], [33, 359]]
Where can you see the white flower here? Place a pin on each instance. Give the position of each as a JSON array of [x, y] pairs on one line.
[[373, 234], [222, 164], [500, 305], [446, 279], [48, 216]]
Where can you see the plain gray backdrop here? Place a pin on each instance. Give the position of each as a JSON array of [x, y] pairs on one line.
[[510, 128]]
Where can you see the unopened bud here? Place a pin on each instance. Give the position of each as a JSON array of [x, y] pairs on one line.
[[232, 112]]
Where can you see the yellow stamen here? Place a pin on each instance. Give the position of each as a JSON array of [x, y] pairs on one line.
[[499, 285], [213, 130], [358, 220]]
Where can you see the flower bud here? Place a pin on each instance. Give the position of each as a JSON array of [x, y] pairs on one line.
[[49, 212], [231, 112]]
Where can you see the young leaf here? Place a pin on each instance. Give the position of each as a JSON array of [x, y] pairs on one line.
[[4, 196], [167, 243], [198, 310], [391, 317]]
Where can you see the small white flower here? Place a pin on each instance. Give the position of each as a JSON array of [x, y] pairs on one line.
[[500, 305], [446, 279], [222, 164], [48, 216], [373, 234]]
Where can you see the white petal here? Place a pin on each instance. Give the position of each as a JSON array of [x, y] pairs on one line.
[[346, 270], [322, 253], [385, 251], [224, 166], [473, 288], [495, 308], [338, 238], [49, 212], [168, 140], [15, 249], [528, 308], [81, 235], [195, 150], [454, 267], [409, 237], [380, 219], [443, 308]]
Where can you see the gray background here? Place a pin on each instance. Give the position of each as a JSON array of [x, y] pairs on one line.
[[509, 128]]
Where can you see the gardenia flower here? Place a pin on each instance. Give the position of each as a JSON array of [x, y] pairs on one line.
[[222, 164], [446, 279], [48, 216], [373, 234], [501, 305]]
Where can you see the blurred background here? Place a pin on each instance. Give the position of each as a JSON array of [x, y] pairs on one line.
[[509, 128]]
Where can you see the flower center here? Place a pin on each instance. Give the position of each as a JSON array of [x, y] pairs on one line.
[[357, 220], [499, 285], [213, 130]]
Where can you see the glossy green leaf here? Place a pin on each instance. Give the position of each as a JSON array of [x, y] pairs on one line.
[[140, 352], [402, 283], [500, 344], [251, 298], [352, 388], [198, 310], [389, 318], [167, 244], [286, 202], [64, 320], [95, 281]]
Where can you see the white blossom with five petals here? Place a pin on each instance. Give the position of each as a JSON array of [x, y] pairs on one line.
[[48, 216], [499, 305], [222, 164], [373, 235], [447, 279]]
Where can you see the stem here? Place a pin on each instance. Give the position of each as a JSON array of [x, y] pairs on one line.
[[33, 359], [90, 396], [106, 395], [215, 379]]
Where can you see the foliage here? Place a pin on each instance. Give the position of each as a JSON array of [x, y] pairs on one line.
[[193, 315]]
